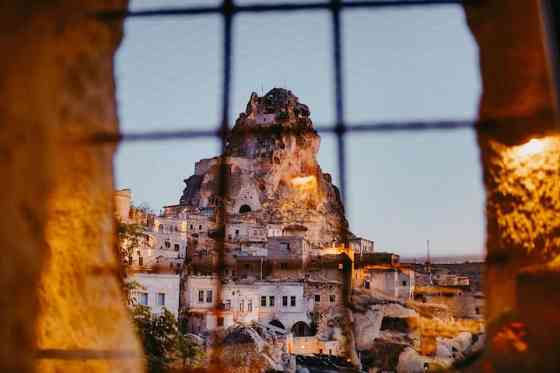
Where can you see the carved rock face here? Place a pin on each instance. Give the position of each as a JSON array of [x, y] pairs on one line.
[[272, 171]]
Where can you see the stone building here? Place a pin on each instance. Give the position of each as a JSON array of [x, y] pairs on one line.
[[451, 280], [162, 243], [396, 282], [323, 295], [458, 302], [280, 304], [123, 201], [315, 346], [156, 290], [362, 246]]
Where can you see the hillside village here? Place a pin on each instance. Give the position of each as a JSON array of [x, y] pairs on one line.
[[258, 250]]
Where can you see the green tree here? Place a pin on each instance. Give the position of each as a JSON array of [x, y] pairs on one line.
[[129, 236], [158, 333], [188, 351], [162, 341]]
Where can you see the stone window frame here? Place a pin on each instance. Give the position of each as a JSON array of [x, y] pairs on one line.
[[497, 259]]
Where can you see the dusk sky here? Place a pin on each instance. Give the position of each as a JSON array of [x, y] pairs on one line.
[[400, 64]]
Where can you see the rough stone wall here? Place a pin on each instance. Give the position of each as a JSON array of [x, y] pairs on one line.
[[324, 290], [59, 271], [466, 305], [520, 154]]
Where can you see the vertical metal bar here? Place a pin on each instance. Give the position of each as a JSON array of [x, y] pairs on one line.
[[228, 7], [340, 128], [221, 212], [550, 10]]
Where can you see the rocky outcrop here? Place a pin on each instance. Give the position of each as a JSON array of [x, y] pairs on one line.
[[252, 348], [271, 171], [369, 324], [411, 362]]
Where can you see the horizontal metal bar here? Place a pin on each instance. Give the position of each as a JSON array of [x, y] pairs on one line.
[[443, 125], [83, 354], [261, 8], [154, 136]]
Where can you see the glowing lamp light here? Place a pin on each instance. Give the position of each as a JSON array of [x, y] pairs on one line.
[[532, 147], [304, 182]]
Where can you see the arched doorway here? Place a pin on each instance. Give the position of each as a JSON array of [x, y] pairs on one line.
[[277, 324], [244, 208], [301, 329]]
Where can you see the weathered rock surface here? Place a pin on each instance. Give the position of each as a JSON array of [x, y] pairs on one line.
[[366, 328], [411, 361], [252, 346], [454, 348], [368, 315], [271, 170]]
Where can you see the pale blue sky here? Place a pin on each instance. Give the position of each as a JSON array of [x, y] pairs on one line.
[[400, 64]]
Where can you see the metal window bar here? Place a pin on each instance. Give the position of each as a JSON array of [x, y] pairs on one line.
[[228, 9]]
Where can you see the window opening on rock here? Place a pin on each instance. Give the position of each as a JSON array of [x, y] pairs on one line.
[[161, 299]]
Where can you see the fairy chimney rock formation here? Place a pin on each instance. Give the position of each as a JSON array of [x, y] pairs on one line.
[[272, 171]]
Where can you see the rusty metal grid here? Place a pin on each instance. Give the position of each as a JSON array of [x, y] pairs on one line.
[[228, 9]]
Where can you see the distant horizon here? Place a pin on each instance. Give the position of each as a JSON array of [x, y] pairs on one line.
[[443, 258]]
